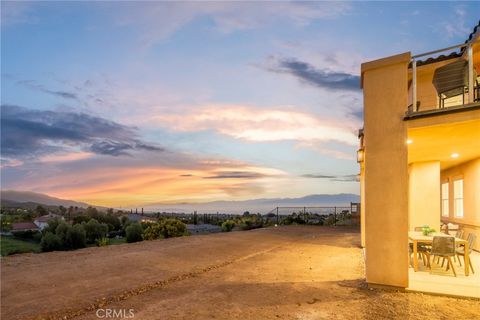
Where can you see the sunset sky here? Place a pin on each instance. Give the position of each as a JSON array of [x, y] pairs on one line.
[[130, 103]]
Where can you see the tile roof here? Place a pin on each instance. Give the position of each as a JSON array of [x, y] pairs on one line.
[[24, 226], [47, 218], [455, 54]]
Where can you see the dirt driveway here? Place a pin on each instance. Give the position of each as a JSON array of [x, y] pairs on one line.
[[276, 273]]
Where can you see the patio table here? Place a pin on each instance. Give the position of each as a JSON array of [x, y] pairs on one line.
[[418, 237]]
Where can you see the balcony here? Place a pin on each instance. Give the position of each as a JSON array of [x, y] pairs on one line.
[[444, 81]]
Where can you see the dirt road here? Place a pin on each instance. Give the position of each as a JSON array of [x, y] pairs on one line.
[[276, 273]]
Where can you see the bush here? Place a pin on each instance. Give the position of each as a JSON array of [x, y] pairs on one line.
[[152, 232], [102, 242], [228, 225], [76, 237], [165, 228], [51, 242], [173, 228], [134, 232]]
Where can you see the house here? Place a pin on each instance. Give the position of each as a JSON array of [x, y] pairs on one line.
[[42, 221], [419, 152], [24, 227]]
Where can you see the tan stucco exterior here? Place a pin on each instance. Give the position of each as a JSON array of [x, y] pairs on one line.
[[406, 158], [423, 195], [470, 173], [386, 170]]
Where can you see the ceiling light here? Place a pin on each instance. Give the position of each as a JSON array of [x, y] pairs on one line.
[[454, 155], [409, 141]]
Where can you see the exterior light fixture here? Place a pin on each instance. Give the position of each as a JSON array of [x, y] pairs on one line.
[[454, 155], [360, 155], [409, 141]]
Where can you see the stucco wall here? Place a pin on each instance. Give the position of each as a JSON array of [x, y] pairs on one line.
[[470, 172], [386, 171], [424, 196]]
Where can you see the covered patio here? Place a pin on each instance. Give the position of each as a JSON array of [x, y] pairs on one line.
[[444, 181]]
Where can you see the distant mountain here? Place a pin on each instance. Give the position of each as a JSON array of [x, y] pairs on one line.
[[13, 198], [258, 205]]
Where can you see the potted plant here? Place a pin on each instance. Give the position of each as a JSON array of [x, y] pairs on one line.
[[426, 230]]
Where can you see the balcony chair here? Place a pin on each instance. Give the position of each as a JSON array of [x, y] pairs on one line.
[[461, 251], [443, 247], [451, 80]]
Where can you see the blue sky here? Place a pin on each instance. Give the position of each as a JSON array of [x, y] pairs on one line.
[[126, 103]]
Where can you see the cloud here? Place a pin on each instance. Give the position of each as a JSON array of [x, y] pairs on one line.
[[157, 21], [339, 178], [32, 133], [456, 26], [16, 12], [322, 78], [31, 84], [236, 175], [261, 125]]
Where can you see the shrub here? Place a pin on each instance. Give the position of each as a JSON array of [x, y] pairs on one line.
[[51, 242], [134, 232], [102, 242], [173, 228], [152, 232], [228, 225], [165, 228], [76, 237]]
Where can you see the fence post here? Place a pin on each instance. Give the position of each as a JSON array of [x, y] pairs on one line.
[[335, 215], [277, 216]]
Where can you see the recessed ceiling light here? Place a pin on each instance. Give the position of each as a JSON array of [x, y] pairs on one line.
[[409, 141], [454, 155]]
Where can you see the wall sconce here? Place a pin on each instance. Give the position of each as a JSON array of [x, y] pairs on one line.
[[360, 155]]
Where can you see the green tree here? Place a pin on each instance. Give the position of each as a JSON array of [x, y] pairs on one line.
[[41, 211], [52, 226], [76, 237], [61, 232], [95, 230], [134, 232], [51, 242]]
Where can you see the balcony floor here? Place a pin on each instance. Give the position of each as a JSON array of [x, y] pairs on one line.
[[440, 281]]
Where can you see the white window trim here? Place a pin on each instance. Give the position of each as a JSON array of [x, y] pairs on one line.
[[455, 208], [445, 201]]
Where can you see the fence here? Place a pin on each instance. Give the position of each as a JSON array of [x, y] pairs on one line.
[[336, 215]]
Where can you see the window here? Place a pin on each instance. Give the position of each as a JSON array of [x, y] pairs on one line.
[[445, 199], [458, 198]]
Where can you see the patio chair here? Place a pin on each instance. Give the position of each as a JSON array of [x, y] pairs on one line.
[[443, 247], [459, 235], [461, 251], [421, 248]]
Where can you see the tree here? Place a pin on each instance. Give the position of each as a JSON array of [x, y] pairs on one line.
[[61, 232], [134, 232], [51, 242], [76, 237], [52, 226], [41, 211], [95, 230]]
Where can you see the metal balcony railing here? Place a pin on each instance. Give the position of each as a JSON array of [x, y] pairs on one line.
[[454, 80]]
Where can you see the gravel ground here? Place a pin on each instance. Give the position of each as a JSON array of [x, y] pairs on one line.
[[295, 272]]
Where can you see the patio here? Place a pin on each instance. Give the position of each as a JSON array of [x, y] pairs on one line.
[[439, 281]]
